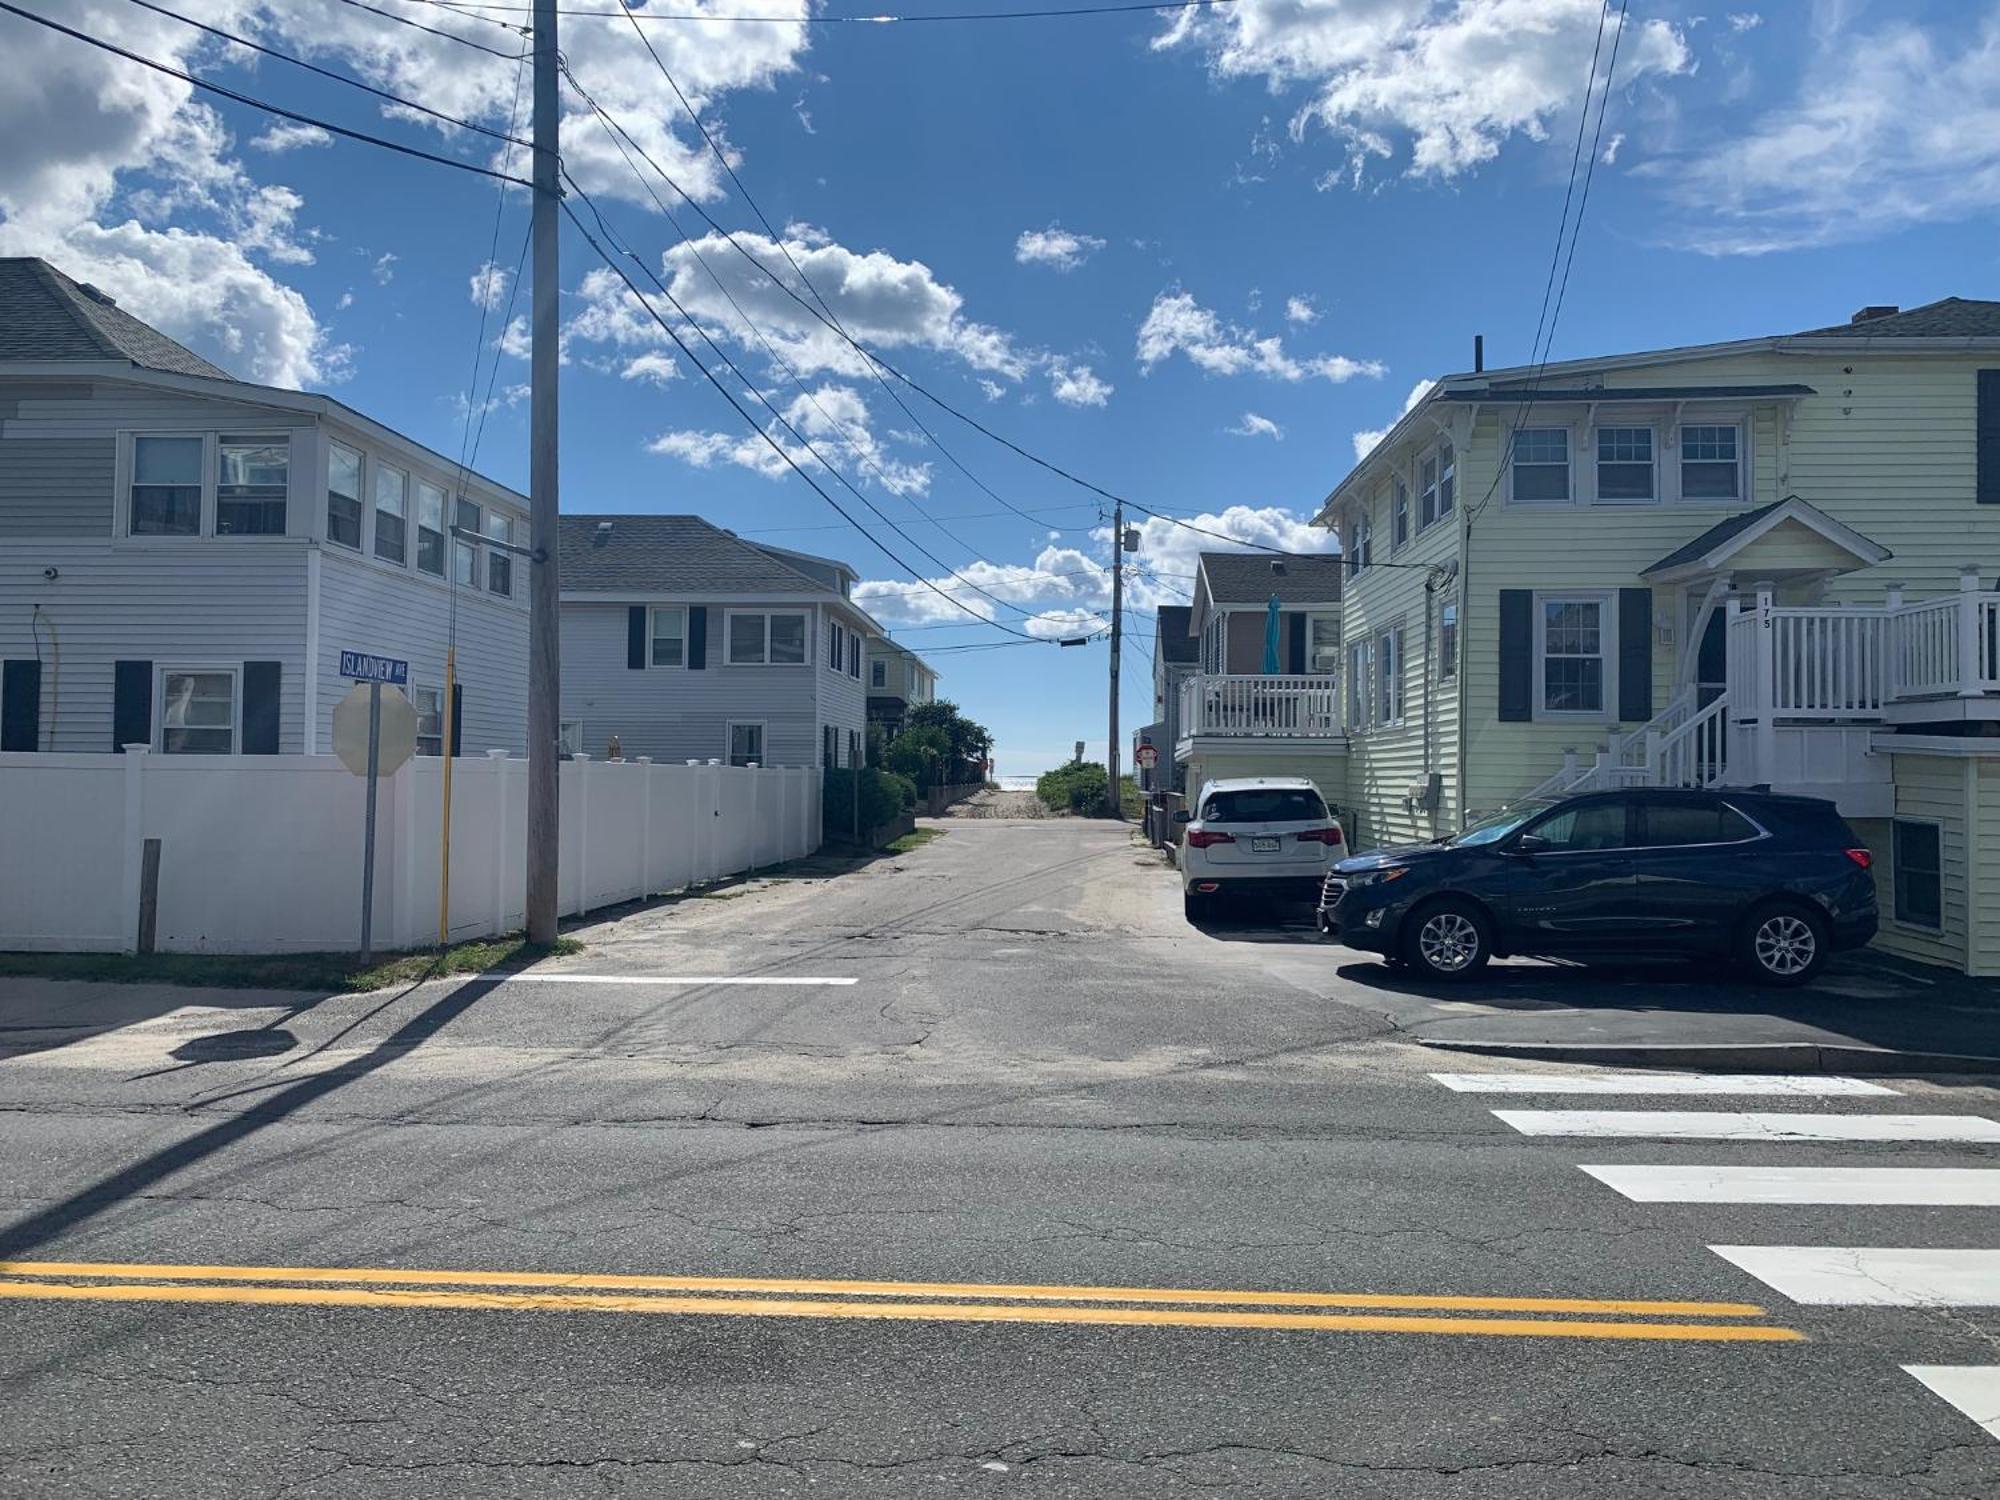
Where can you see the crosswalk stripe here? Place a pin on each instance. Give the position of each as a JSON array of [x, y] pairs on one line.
[[1857, 1276], [1656, 1083], [1735, 1125], [1958, 1186], [1973, 1389]]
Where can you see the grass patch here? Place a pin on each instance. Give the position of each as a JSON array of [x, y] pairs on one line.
[[332, 972], [912, 841]]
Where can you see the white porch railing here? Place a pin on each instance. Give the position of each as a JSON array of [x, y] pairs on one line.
[[1278, 707]]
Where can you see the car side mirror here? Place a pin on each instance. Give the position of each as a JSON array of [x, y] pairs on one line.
[[1530, 843], [1183, 816]]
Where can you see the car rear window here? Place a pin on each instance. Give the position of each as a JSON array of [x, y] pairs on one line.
[[1667, 823], [1264, 805]]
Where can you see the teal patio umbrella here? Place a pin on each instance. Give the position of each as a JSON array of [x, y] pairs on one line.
[[1271, 655]]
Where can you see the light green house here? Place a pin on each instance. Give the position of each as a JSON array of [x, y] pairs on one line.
[[1769, 561]]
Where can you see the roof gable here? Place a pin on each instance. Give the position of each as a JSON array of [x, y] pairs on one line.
[[1175, 633], [45, 316], [671, 555], [1730, 538]]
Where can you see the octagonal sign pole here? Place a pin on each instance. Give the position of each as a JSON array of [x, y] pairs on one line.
[[372, 735]]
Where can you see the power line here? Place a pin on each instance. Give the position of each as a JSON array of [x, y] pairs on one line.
[[969, 515], [255, 103], [354, 83], [1162, 7], [450, 36]]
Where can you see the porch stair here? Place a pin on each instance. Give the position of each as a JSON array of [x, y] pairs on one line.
[[1681, 746]]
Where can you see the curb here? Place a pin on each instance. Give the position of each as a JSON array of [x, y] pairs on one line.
[[1749, 1057]]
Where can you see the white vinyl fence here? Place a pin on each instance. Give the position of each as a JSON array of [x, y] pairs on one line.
[[262, 853]]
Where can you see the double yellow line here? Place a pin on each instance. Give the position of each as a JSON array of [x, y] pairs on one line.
[[926, 1301]]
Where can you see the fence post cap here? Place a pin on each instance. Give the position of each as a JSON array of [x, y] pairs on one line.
[[137, 749], [496, 754], [713, 761], [1968, 576]]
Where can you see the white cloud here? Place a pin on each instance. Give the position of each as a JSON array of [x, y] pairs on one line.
[[1056, 247], [384, 269], [833, 419], [1452, 78], [655, 369], [489, 285], [1253, 425], [1365, 442], [1300, 310], [1076, 385], [290, 135], [1890, 129], [1747, 20], [1612, 148], [993, 390], [1176, 323]]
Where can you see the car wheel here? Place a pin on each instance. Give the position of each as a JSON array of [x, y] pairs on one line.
[[1783, 944], [1447, 939], [1195, 908]]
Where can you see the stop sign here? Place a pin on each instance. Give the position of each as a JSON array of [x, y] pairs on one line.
[[350, 730]]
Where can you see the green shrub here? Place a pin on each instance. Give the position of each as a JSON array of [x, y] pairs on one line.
[[906, 788], [881, 794], [1078, 788]]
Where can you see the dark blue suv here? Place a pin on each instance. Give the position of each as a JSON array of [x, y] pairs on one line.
[[1775, 883]]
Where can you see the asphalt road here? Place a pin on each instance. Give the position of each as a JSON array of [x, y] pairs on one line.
[[1056, 1197]]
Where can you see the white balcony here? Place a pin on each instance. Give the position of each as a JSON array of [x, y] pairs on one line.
[[1259, 708]]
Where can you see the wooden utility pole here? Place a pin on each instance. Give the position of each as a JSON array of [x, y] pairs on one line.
[[544, 658], [1114, 801]]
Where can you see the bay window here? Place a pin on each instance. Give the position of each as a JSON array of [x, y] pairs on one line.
[[253, 480], [1711, 462], [1540, 467], [343, 496], [1625, 464], [166, 486]]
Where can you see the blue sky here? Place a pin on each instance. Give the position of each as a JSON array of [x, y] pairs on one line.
[[1189, 258]]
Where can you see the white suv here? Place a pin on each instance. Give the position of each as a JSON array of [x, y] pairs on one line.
[[1269, 834]]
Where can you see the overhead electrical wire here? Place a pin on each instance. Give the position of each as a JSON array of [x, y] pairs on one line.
[[450, 36], [1159, 7]]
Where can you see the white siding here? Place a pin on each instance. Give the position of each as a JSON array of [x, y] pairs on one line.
[[843, 700]]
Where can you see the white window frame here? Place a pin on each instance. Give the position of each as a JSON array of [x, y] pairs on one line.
[[1447, 638], [804, 617], [1510, 452], [418, 691], [1741, 427], [362, 504], [1360, 544], [495, 557], [1320, 658], [1214, 644], [1388, 674], [1896, 874], [1447, 483], [854, 654], [653, 637], [204, 506], [374, 505], [251, 435], [1400, 529], [878, 676], [1606, 601], [1427, 491], [1360, 684], [729, 740], [232, 670], [1597, 462], [457, 546], [418, 484], [836, 646]]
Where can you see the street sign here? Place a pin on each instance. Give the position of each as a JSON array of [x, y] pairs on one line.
[[365, 666], [373, 733], [1145, 757]]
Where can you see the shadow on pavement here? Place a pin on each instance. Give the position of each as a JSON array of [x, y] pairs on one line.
[[39, 1015]]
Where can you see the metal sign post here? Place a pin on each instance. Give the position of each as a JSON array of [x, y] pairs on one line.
[[368, 837], [373, 736]]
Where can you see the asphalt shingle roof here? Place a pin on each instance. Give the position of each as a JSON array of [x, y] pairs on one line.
[[1253, 577], [1947, 318], [1715, 536], [1176, 645], [46, 316], [670, 555]]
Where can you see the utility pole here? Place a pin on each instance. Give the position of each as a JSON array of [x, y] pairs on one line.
[[544, 659], [1114, 801]]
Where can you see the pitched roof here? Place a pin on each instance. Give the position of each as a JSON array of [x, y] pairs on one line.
[[46, 316], [1947, 318], [1712, 543], [1253, 577], [1175, 644], [670, 555], [1545, 395]]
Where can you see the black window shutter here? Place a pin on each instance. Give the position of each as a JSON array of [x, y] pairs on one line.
[[1987, 439], [698, 637], [261, 680], [20, 705], [1635, 655], [458, 718], [131, 704], [1517, 655], [635, 636], [1296, 645]]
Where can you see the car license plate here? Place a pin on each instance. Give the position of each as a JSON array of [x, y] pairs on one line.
[[1264, 846]]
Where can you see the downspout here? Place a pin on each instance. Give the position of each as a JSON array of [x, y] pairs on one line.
[[1462, 677]]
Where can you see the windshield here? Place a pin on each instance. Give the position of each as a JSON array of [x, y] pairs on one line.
[[1498, 825], [1264, 805]]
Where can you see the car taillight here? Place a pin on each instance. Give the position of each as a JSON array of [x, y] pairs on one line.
[[1201, 838], [1320, 835], [1861, 857]]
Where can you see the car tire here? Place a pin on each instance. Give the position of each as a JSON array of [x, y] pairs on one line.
[[1448, 938], [1195, 907], [1783, 943]]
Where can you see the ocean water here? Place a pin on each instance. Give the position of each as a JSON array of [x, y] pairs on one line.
[[1016, 783]]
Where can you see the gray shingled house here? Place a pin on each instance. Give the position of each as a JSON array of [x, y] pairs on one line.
[[683, 641], [184, 555]]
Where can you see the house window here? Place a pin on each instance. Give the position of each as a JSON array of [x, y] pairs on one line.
[[166, 486], [343, 497], [836, 639], [746, 744], [392, 491], [1389, 679], [1360, 683], [430, 528], [854, 656], [767, 640], [1917, 867], [1447, 480], [1541, 464], [1711, 463], [253, 479], [1625, 464], [197, 713], [1448, 640], [429, 704], [878, 674], [1399, 505], [1323, 642], [1573, 655], [669, 638], [1360, 544], [499, 564], [465, 554]]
